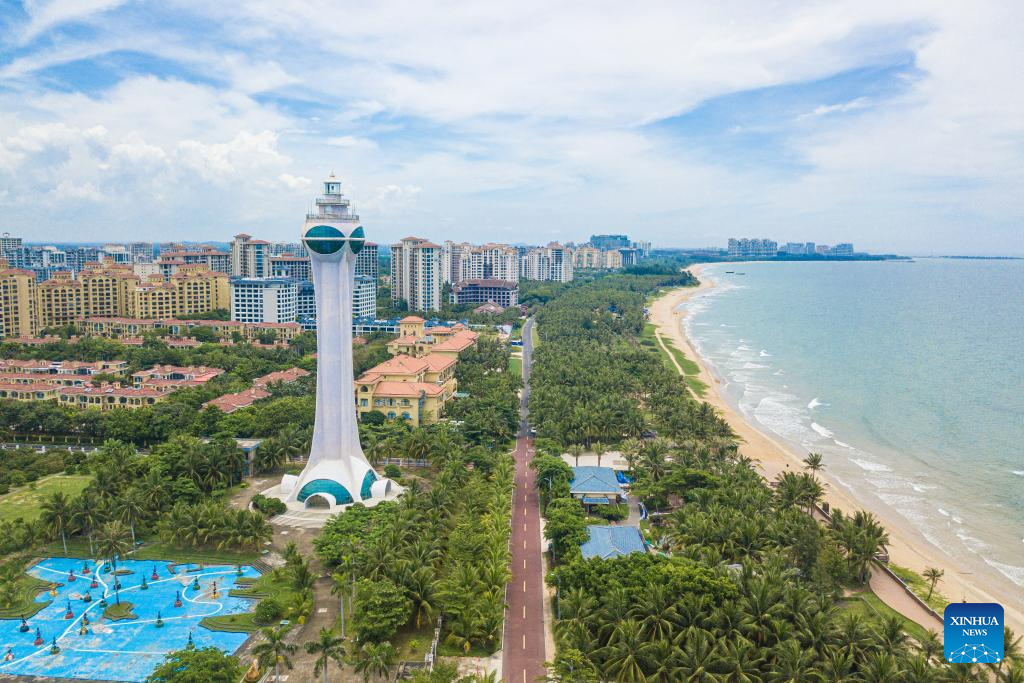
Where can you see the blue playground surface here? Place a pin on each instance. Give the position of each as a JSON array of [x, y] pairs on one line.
[[129, 649]]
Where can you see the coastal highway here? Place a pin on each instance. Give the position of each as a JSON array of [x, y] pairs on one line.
[[523, 648]]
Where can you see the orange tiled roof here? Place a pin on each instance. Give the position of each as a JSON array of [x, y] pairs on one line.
[[229, 403], [412, 319], [286, 376]]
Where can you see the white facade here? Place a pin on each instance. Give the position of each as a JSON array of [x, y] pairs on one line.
[[249, 257], [264, 300], [553, 262], [337, 472], [416, 274], [364, 297]]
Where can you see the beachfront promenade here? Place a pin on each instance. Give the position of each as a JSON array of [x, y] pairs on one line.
[[770, 458]]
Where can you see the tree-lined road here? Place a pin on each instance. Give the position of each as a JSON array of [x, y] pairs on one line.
[[523, 648]]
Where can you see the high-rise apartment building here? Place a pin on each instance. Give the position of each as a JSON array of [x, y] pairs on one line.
[[78, 257], [107, 289], [12, 250], [19, 316], [152, 299], [141, 252], [553, 262], [489, 262], [451, 253], [368, 262], [752, 248], [290, 265], [61, 300], [250, 258], [211, 257], [264, 300], [587, 258], [199, 289], [416, 274]]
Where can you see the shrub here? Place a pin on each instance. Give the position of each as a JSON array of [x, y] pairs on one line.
[[268, 506], [614, 513], [392, 472], [267, 611]]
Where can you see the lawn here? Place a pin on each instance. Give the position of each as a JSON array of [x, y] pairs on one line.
[[267, 586], [691, 370], [918, 584], [533, 335], [26, 501], [158, 550], [515, 366], [23, 598], [873, 609]]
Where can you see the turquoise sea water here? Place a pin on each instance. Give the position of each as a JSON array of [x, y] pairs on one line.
[[907, 376]]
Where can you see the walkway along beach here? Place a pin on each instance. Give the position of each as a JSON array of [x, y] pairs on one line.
[[906, 547]]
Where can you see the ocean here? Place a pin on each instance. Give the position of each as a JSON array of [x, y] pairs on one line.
[[907, 376]]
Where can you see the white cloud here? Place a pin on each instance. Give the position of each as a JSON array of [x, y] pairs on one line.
[[294, 182], [471, 119]]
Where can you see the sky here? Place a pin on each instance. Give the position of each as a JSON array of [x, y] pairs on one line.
[[898, 126]]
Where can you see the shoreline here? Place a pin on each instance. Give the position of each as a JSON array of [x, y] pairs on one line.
[[772, 456]]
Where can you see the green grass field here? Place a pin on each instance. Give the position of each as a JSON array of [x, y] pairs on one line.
[[25, 501], [158, 550], [23, 598], [874, 610], [515, 366], [937, 602], [691, 370]]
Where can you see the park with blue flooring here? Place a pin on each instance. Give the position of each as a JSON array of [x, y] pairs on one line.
[[70, 637]]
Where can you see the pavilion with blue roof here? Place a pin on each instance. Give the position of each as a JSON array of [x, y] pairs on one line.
[[608, 542], [596, 486]]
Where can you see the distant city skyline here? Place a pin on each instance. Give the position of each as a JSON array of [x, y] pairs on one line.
[[896, 126]]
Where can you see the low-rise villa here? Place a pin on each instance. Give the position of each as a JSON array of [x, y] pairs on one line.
[[416, 339], [595, 486], [414, 389], [608, 542]]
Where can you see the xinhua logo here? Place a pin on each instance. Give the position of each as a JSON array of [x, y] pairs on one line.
[[973, 632]]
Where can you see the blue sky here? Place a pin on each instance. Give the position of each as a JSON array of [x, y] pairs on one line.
[[897, 126]]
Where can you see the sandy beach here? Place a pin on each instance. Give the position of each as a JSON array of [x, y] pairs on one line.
[[906, 547]]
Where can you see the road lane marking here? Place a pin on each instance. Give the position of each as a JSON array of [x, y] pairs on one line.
[[524, 641], [524, 563], [524, 585], [524, 611]]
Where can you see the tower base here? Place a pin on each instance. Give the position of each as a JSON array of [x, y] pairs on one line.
[[299, 515]]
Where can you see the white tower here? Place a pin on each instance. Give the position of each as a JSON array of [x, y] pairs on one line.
[[337, 472]]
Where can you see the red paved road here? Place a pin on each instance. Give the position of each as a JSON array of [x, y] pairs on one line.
[[524, 622], [523, 649]]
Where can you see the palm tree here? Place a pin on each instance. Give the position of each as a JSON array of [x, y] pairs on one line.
[[814, 462], [375, 660], [327, 647], [576, 450], [132, 508], [932, 576], [57, 514], [599, 450], [86, 517], [10, 588], [274, 650], [113, 541]]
